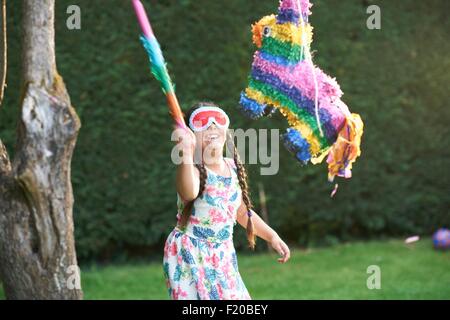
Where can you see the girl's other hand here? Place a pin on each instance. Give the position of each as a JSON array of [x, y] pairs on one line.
[[281, 248]]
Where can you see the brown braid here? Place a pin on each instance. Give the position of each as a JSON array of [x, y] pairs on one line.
[[242, 177]]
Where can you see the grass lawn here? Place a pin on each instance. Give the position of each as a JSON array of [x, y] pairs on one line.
[[339, 272]]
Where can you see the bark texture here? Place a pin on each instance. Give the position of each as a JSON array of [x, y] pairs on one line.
[[37, 249]]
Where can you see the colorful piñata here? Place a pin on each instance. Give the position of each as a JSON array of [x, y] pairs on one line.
[[284, 78]]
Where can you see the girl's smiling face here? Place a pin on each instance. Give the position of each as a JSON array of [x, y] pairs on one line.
[[209, 124], [213, 138]]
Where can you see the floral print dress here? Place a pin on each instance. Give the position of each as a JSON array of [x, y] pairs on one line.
[[200, 260]]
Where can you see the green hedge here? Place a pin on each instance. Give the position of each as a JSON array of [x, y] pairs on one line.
[[396, 78]]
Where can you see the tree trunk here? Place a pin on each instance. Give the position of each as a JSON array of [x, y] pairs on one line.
[[37, 250]]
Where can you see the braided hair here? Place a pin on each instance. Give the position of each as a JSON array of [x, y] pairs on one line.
[[242, 178]]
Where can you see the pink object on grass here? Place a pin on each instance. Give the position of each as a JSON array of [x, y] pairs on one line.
[[412, 239]]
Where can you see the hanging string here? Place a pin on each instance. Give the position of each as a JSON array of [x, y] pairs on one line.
[[309, 59]]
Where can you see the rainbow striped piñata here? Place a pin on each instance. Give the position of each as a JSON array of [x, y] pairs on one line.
[[284, 78]]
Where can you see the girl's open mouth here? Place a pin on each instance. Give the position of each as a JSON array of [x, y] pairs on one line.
[[211, 137]]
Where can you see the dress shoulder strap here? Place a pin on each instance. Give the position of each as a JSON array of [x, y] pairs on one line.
[[231, 163]]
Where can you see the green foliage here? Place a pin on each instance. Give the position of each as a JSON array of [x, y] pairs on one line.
[[396, 78]]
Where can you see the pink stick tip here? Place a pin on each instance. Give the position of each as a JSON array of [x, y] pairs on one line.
[[142, 18]]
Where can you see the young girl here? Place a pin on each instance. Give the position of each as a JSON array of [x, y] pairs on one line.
[[199, 256]]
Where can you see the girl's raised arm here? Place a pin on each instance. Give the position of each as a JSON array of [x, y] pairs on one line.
[[187, 179]]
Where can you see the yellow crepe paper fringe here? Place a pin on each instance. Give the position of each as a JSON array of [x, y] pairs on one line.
[[289, 32], [286, 32], [346, 148], [292, 119]]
